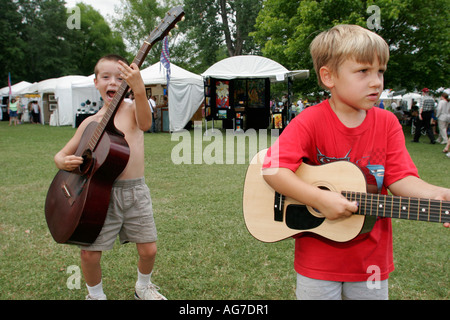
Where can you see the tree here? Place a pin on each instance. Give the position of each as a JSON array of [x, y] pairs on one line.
[[38, 44], [416, 31], [220, 28], [12, 52], [138, 19], [47, 53], [93, 40]]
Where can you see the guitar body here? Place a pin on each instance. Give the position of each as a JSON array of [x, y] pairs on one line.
[[77, 203], [261, 203]]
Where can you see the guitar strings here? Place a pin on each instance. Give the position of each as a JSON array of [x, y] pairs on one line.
[[400, 207]]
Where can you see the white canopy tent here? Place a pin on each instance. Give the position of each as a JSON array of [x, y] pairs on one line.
[[388, 94], [410, 97], [15, 89], [252, 67], [61, 88], [82, 91], [14, 92], [185, 92]]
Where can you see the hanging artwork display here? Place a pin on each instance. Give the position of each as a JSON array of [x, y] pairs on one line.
[[256, 93], [278, 121], [208, 99], [223, 94]]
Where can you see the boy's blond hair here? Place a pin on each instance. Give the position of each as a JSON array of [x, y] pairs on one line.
[[332, 47]]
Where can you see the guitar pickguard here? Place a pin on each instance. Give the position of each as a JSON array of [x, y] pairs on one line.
[[299, 218]]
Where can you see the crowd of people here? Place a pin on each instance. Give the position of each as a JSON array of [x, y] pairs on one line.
[[18, 113], [428, 116], [433, 118]]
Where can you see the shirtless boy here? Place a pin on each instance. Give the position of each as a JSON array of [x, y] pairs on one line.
[[131, 218]]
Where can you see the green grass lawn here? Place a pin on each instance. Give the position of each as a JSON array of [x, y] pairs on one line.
[[204, 249]]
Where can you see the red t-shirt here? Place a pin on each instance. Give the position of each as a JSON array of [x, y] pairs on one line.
[[317, 136]]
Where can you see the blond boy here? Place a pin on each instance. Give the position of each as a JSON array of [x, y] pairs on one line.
[[350, 62]]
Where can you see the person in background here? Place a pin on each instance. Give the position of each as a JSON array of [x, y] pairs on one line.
[[35, 112], [426, 111], [13, 107], [152, 104], [443, 118]]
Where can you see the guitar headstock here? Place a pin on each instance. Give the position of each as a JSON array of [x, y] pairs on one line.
[[172, 17]]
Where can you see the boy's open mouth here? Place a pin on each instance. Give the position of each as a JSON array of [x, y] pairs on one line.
[[110, 93]]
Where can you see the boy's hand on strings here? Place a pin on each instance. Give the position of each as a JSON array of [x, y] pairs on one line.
[[71, 162], [132, 75]]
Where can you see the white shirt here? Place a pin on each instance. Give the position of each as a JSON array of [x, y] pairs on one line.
[[152, 104]]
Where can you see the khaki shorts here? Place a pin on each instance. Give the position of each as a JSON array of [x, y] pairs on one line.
[[130, 215]]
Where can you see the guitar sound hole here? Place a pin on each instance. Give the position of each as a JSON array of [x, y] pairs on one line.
[[299, 218], [87, 163]]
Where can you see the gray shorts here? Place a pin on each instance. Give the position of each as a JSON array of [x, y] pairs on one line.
[[313, 289], [130, 215]]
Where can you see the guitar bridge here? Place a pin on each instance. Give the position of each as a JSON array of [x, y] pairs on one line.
[[278, 207], [67, 194], [66, 191]]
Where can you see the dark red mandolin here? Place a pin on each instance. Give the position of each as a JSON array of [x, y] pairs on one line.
[[77, 201]]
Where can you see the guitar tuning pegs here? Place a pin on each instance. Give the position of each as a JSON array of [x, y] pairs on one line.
[[169, 34], [183, 18], [176, 26]]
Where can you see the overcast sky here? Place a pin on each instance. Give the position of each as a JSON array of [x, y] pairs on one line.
[[105, 7]]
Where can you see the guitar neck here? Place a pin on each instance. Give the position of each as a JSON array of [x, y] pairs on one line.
[[389, 206], [172, 17]]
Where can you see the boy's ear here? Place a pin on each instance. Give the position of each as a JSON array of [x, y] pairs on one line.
[[326, 75]]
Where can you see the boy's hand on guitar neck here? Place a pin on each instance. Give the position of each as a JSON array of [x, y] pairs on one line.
[[333, 205], [132, 75], [420, 189], [446, 224]]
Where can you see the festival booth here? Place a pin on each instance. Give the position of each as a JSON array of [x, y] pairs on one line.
[[412, 99], [86, 99], [55, 99], [185, 95], [237, 91], [389, 96], [4, 94]]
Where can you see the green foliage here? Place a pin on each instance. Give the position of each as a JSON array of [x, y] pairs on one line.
[[219, 29], [417, 32], [93, 40], [39, 44], [137, 19]]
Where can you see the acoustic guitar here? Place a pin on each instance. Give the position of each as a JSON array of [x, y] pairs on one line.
[[270, 216], [77, 201]]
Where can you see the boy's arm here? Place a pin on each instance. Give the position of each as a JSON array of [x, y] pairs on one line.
[[331, 204], [417, 188], [132, 76], [65, 158]]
